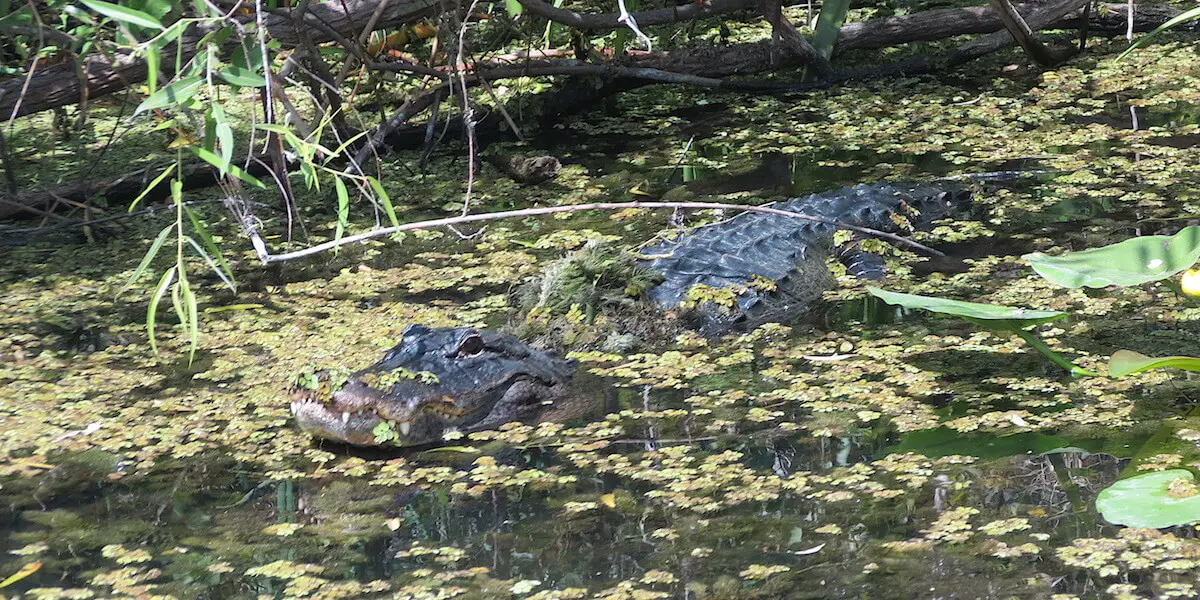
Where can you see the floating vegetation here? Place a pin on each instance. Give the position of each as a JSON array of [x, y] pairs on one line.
[[746, 467]]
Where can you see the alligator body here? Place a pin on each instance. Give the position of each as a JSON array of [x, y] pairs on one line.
[[776, 264], [439, 380], [435, 381]]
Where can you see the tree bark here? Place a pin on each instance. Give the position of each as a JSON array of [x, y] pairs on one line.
[[59, 85], [1020, 31]]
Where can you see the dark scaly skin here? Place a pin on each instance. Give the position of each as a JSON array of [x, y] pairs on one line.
[[458, 379], [789, 253], [434, 381]]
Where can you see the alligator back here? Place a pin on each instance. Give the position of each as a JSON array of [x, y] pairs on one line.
[[776, 263]]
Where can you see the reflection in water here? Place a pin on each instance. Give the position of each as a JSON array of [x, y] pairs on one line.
[[210, 528]]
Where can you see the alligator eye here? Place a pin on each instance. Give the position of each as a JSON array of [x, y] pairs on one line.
[[471, 345]]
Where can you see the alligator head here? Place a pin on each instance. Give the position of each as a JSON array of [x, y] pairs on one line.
[[434, 381]]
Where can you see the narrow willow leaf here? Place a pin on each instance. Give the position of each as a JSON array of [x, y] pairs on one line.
[[190, 308], [343, 211], [171, 95], [152, 310], [232, 169], [280, 129], [153, 63], [1188, 15], [384, 200], [177, 304], [342, 148], [225, 273], [1132, 262], [247, 58], [1125, 362], [208, 259], [153, 184], [311, 181], [247, 178], [242, 77], [149, 256], [225, 141], [123, 14], [170, 34]]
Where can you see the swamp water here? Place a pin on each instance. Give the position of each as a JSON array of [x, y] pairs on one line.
[[866, 458]]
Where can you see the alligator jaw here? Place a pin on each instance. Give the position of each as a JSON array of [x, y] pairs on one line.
[[350, 416]]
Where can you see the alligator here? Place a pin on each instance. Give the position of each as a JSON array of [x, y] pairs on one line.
[[434, 382], [442, 380], [775, 264]]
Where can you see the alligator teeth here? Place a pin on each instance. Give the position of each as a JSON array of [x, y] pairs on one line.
[[405, 427], [345, 417]]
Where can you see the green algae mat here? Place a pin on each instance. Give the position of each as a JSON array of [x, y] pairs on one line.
[[859, 455]]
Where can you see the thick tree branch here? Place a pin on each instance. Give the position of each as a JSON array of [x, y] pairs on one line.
[[57, 85], [1020, 31], [1039, 18], [662, 16]]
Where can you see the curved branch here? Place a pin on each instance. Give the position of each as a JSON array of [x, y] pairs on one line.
[[267, 257]]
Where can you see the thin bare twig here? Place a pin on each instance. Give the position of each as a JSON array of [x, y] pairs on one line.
[[267, 257]]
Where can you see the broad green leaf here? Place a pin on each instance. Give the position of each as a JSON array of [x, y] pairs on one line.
[[242, 77], [989, 316], [343, 210], [149, 256], [1125, 362], [173, 94], [1152, 500], [201, 7], [125, 15], [170, 34], [986, 315], [152, 310], [310, 176], [1132, 262], [513, 8]]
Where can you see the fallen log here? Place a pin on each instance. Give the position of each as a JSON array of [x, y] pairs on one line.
[[59, 85]]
